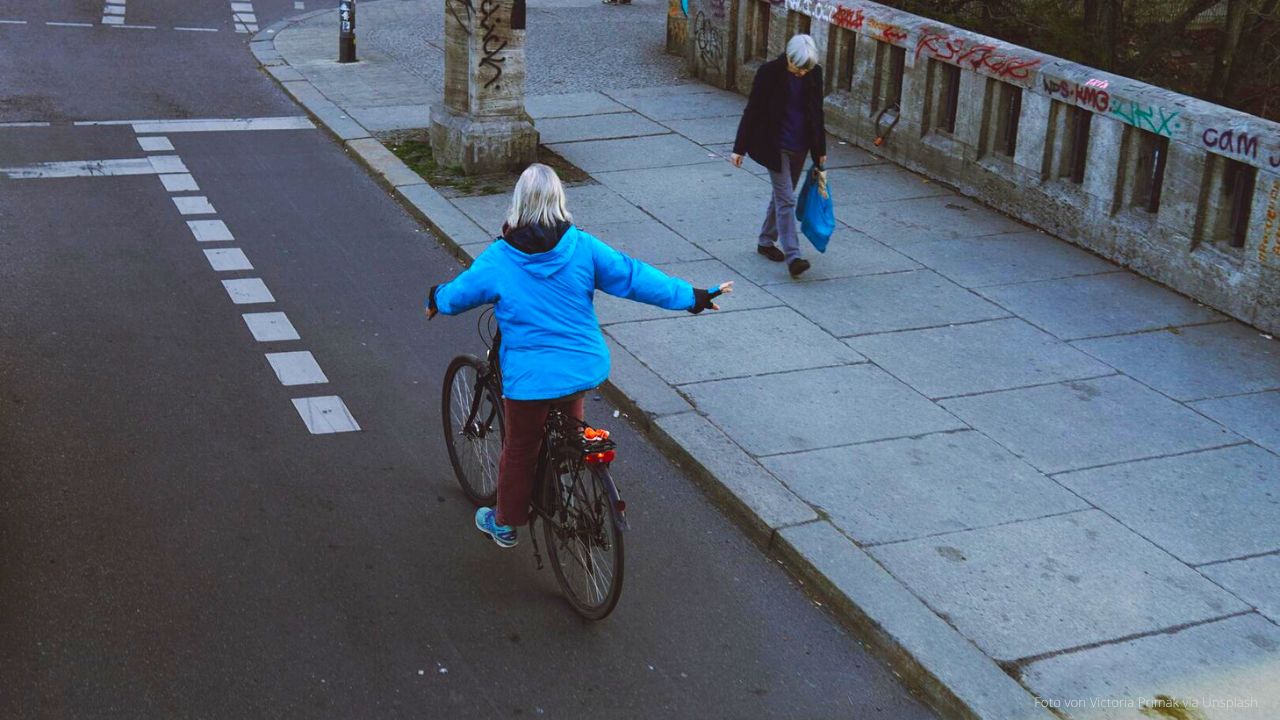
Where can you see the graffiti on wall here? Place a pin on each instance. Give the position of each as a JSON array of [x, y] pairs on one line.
[[491, 43], [457, 9], [1242, 144], [1093, 95], [677, 22], [709, 40], [1151, 118], [855, 19], [980, 57], [1271, 230], [717, 8]]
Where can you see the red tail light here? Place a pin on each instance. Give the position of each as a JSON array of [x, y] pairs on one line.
[[601, 457]]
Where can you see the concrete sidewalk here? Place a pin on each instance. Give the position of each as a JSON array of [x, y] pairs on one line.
[[1039, 484]]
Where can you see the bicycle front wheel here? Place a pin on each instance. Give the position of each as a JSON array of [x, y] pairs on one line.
[[583, 538], [473, 428]]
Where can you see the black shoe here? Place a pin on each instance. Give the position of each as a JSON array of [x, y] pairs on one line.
[[798, 266], [771, 252]]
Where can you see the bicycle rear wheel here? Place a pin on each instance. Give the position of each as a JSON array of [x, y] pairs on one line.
[[473, 428], [583, 538]]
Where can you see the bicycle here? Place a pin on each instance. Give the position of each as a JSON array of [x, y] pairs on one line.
[[575, 498]]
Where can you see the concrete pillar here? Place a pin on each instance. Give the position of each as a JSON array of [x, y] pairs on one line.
[[482, 125]]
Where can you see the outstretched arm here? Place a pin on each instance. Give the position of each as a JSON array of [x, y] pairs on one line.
[[626, 277]]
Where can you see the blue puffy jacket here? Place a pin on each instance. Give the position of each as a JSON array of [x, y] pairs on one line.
[[551, 340]]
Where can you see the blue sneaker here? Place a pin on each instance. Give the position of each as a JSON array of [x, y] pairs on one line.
[[486, 521]]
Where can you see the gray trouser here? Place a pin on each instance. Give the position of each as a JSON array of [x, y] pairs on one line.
[[780, 220]]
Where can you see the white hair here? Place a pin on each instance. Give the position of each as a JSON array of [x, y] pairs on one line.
[[802, 52], [538, 199]]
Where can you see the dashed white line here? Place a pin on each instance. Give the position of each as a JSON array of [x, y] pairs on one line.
[[297, 368], [194, 205], [228, 259], [155, 144], [242, 15], [248, 291], [270, 326], [68, 24], [13, 22], [167, 164], [195, 29], [24, 124], [324, 415], [179, 183], [135, 27], [210, 230]]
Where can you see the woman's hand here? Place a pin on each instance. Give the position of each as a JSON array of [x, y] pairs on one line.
[[702, 299], [431, 312], [736, 159], [822, 161]]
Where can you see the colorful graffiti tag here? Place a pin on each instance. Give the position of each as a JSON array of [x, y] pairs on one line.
[[1270, 231], [849, 18], [984, 58], [1093, 95]]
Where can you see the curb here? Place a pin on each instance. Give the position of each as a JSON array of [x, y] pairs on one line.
[[932, 659]]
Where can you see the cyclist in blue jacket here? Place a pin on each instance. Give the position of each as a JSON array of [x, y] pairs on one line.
[[541, 277]]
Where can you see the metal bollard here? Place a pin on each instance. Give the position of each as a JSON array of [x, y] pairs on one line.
[[346, 31]]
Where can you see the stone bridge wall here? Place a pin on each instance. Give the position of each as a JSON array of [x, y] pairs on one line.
[[1180, 190]]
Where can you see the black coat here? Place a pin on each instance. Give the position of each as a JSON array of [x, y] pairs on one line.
[[760, 131]]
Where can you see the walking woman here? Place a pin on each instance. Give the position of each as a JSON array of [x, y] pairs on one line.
[[782, 123], [542, 276]]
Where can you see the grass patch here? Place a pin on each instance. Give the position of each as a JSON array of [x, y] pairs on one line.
[[413, 147]]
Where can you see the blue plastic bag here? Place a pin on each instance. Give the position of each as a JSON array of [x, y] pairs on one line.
[[814, 210]]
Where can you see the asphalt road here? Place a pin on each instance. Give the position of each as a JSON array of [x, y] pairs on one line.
[[174, 543]]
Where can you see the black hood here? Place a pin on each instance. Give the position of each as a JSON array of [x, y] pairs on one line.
[[534, 239]]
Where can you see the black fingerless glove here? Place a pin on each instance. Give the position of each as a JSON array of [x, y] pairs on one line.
[[431, 299], [702, 299]]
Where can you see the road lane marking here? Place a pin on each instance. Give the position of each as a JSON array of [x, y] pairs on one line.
[[179, 183], [13, 22], [68, 24], [296, 122], [270, 326], [194, 205], [210, 230], [82, 168], [248, 291], [135, 27], [24, 124], [299, 5], [243, 17], [297, 368], [155, 144], [325, 415], [113, 12], [194, 29], [167, 164], [227, 259]]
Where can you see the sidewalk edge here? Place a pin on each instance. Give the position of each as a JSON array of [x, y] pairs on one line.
[[931, 658]]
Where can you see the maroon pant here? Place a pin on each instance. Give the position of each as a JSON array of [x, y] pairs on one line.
[[524, 420]]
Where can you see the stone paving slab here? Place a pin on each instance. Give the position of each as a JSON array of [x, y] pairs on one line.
[[700, 274], [596, 127], [712, 346], [596, 156], [850, 254], [977, 358], [1202, 507], [444, 215], [1046, 585], [381, 118], [646, 240], [571, 105], [884, 303], [928, 652], [763, 503], [812, 409], [939, 217], [329, 114], [1112, 304], [1254, 580], [1224, 670], [707, 131], [1088, 423], [698, 221], [1253, 416], [710, 181], [839, 155], [643, 388], [683, 106], [853, 188], [873, 492], [1190, 363], [1004, 259]]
